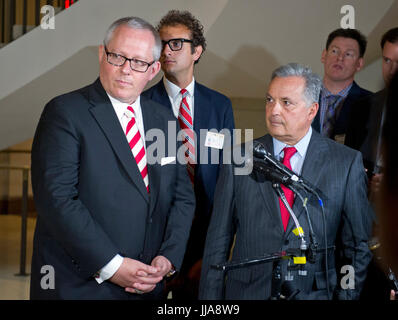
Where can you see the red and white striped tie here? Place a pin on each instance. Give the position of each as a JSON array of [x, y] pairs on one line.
[[137, 145], [185, 120]]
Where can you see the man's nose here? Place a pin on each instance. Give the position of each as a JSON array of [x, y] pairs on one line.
[[126, 69], [274, 108], [340, 56], [394, 68], [166, 49]]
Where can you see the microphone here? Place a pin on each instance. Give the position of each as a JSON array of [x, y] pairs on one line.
[[273, 175], [259, 151]]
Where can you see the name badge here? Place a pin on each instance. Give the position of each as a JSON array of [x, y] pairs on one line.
[[214, 140]]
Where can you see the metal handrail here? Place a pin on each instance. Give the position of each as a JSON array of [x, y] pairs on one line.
[[14, 151], [24, 215]]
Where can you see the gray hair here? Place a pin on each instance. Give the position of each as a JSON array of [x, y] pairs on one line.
[[313, 82], [136, 23]]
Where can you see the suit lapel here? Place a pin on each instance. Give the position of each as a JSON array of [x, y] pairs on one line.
[[201, 118], [267, 191], [152, 121], [159, 94], [315, 160], [105, 115]]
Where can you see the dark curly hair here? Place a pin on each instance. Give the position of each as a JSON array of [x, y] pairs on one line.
[[185, 18]]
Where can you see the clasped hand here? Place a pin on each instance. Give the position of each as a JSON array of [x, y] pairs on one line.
[[138, 277]]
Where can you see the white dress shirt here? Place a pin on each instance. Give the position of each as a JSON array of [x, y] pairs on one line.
[[120, 107], [175, 96], [297, 160]]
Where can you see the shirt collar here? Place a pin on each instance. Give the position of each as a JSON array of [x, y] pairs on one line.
[[343, 93], [120, 107], [173, 90], [300, 146]]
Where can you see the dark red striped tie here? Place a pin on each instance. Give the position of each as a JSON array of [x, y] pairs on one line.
[[137, 145], [185, 120]]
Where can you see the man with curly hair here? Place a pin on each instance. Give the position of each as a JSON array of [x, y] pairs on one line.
[[197, 107]]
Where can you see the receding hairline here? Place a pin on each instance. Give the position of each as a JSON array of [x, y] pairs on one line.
[[127, 26], [135, 23]]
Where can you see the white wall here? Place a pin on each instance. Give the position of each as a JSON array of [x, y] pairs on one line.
[[246, 41]]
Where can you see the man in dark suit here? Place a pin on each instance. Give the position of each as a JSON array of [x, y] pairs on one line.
[[183, 45], [364, 128], [112, 223], [342, 59], [247, 207], [364, 133]]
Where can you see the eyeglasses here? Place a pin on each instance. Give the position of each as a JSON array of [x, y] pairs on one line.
[[119, 60], [175, 44]]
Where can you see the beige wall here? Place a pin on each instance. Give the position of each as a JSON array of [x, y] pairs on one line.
[[11, 180], [246, 41], [249, 113]]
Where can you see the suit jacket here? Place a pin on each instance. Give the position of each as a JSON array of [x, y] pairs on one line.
[[91, 199], [212, 111], [364, 127], [247, 206], [340, 127]]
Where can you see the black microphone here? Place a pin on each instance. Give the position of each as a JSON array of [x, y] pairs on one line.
[[272, 174], [259, 151]]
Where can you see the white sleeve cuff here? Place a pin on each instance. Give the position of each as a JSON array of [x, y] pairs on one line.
[[110, 269]]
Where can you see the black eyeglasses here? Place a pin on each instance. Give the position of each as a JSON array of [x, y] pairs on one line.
[[175, 44], [119, 60]]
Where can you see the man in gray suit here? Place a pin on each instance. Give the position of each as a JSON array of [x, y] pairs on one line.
[[247, 207]]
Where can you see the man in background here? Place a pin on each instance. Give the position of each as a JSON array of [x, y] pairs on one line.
[[364, 129], [342, 59], [197, 108], [364, 133]]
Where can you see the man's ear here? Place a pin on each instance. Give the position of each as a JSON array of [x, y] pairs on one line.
[[154, 69], [197, 53], [323, 56], [101, 52], [360, 64], [313, 109]]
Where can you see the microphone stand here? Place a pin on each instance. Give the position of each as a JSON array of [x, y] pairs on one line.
[[281, 194], [292, 179], [290, 253]]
